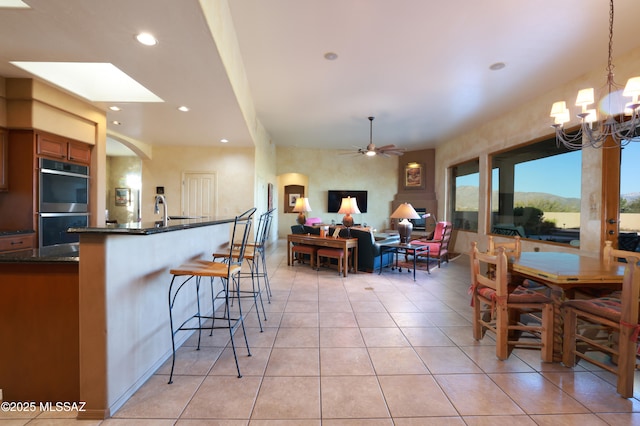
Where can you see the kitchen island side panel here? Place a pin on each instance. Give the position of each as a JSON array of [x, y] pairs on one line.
[[124, 316]]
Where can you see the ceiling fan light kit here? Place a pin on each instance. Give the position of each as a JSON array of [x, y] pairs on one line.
[[371, 149]]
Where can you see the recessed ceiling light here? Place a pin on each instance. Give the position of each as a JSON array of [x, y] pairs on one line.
[[147, 39], [497, 66], [331, 56], [116, 122], [224, 140], [97, 82], [114, 108], [183, 108]]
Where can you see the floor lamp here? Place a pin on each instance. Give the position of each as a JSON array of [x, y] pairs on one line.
[[405, 211]]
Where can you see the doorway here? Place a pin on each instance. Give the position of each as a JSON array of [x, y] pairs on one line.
[[199, 194]]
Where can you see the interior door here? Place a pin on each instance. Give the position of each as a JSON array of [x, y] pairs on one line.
[[199, 194]]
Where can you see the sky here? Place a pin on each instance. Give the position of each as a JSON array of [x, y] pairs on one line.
[[630, 173], [561, 175]]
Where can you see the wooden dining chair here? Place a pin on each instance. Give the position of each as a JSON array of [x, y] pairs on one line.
[[511, 247], [497, 310], [607, 325]]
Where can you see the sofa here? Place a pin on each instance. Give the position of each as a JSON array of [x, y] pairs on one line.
[[368, 244], [369, 247]]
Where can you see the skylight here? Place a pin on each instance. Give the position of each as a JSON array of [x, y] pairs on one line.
[[97, 82], [18, 4]]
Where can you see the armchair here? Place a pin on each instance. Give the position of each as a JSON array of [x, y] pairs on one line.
[[439, 244]]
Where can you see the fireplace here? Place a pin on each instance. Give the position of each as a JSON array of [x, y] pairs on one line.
[[419, 224]]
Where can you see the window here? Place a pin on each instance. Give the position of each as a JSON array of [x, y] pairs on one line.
[[536, 192], [465, 195], [629, 225]]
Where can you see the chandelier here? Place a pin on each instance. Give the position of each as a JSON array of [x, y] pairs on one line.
[[620, 117]]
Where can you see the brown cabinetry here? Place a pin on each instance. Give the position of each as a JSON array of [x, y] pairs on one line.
[[16, 242], [62, 149], [4, 162], [19, 206]]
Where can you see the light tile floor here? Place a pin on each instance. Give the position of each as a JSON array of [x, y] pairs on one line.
[[366, 350]]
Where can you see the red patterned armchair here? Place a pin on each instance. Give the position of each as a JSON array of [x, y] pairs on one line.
[[439, 244]]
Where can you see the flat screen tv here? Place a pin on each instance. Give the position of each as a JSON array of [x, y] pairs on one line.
[[335, 197]]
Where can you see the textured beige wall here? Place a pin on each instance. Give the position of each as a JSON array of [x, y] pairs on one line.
[[222, 29], [234, 169], [524, 124], [328, 169]]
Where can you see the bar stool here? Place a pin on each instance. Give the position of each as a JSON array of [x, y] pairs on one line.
[[332, 253], [254, 256], [299, 250], [229, 274]]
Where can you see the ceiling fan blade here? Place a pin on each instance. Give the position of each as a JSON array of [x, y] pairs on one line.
[[386, 147]]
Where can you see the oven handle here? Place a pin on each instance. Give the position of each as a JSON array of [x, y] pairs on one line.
[[62, 173], [63, 214]]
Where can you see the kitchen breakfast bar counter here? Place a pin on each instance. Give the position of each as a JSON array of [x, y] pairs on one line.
[[88, 322]]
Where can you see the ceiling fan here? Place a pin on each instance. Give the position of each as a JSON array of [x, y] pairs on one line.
[[385, 151]]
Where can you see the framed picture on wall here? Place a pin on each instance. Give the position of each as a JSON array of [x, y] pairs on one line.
[[123, 196], [292, 199], [291, 194], [414, 177]]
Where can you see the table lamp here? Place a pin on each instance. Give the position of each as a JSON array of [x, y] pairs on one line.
[[302, 206], [348, 207], [405, 211]]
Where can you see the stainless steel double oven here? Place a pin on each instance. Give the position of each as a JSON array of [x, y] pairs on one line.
[[63, 201]]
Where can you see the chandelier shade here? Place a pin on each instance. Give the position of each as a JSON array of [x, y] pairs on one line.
[[611, 122]]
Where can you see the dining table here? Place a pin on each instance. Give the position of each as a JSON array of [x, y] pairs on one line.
[[564, 273]]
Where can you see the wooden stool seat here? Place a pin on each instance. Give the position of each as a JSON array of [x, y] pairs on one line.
[[331, 253], [304, 249]]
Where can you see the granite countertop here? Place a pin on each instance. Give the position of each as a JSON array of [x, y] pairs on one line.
[[147, 228], [10, 232], [63, 253], [70, 253]]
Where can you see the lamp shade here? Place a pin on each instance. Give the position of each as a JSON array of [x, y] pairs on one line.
[[349, 206], [405, 211], [302, 205]]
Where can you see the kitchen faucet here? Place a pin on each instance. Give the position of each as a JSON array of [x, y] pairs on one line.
[[165, 216]]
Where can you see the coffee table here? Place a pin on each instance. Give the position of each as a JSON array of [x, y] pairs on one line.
[[407, 249]]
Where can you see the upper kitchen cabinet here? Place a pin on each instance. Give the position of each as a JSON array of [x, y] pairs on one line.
[[60, 148], [4, 162]]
